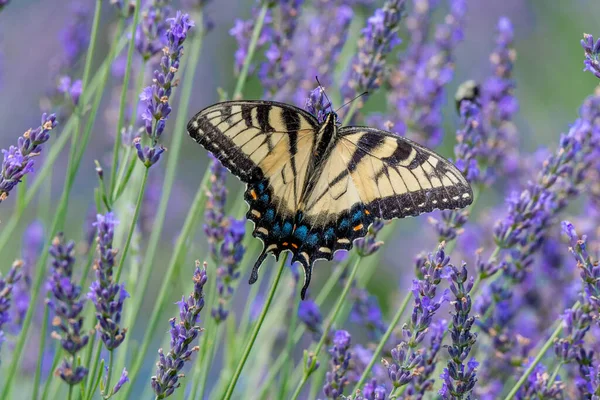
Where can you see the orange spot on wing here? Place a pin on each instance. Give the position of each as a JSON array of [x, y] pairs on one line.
[[358, 227], [294, 245], [253, 194], [367, 212], [284, 243]]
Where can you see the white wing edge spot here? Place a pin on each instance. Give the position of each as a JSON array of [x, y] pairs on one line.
[[343, 241], [466, 195], [262, 230], [325, 250]]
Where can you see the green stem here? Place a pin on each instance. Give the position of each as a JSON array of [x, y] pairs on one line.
[[350, 113], [255, 330], [283, 389], [128, 162], [327, 327], [70, 392], [554, 374], [383, 341], [549, 343], [93, 367], [107, 388], [91, 50], [38, 370], [124, 90], [186, 232], [49, 380], [241, 81], [136, 214]]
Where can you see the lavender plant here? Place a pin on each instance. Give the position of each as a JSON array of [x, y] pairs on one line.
[[523, 315]]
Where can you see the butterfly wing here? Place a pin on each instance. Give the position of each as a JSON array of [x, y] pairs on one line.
[[268, 145], [375, 174]]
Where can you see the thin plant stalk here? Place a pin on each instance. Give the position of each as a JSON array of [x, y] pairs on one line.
[[49, 380], [124, 90], [255, 330], [283, 389], [241, 81], [338, 306], [547, 345], [42, 346]]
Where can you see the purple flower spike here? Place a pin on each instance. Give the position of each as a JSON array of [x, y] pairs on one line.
[[71, 90], [183, 333], [408, 357], [18, 161], [340, 361], [424, 70], [242, 32], [538, 386], [107, 295], [592, 54], [125, 7], [378, 39], [151, 31], [310, 314], [67, 305], [317, 104], [122, 380], [458, 379], [155, 98], [6, 287]]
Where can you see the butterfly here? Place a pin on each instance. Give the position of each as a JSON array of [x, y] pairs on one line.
[[313, 188]]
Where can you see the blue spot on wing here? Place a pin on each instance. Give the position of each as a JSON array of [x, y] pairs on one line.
[[344, 224], [313, 239], [329, 234], [301, 232], [270, 215], [277, 230], [357, 216], [264, 198], [287, 228]]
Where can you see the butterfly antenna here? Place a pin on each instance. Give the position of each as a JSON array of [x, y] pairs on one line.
[[350, 101], [323, 91]]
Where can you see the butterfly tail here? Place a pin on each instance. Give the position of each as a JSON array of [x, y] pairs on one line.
[[257, 264], [307, 273]]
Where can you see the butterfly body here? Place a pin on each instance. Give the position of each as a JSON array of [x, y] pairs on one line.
[[313, 188]]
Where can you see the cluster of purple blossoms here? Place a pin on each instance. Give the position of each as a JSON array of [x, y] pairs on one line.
[[499, 105], [156, 97], [367, 313], [275, 72], [33, 243], [378, 39], [408, 356], [424, 70], [317, 104], [18, 161], [107, 295], [310, 315], [458, 379], [468, 152], [67, 304], [592, 54], [70, 89], [183, 333], [225, 236], [242, 32], [322, 36], [540, 386], [75, 36], [6, 287], [335, 379], [152, 29]]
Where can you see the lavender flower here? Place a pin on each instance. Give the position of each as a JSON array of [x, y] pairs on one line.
[[122, 380], [407, 359], [424, 70], [367, 245], [6, 286], [183, 334], [75, 36], [152, 30], [538, 386], [242, 32], [340, 361], [71, 90], [499, 103], [366, 312], [67, 304], [317, 104], [458, 380], [33, 243], [106, 294], [156, 97], [224, 237], [592, 51], [378, 39], [322, 37], [310, 314], [275, 72], [18, 161]]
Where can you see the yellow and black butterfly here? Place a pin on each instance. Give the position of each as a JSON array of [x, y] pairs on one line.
[[313, 188]]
